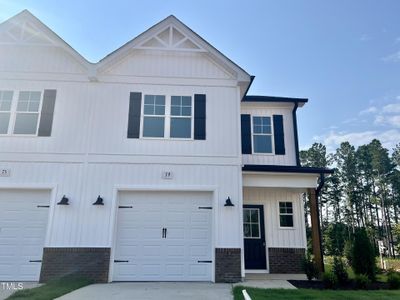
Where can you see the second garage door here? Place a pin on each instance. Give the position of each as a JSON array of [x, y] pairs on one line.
[[163, 237], [23, 223]]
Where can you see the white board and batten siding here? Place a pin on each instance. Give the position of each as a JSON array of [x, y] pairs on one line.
[[270, 109], [276, 236]]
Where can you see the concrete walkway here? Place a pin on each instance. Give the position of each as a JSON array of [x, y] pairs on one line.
[[9, 288], [153, 290], [177, 290]]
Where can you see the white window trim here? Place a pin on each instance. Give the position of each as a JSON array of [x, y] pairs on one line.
[[251, 223], [167, 119], [272, 137], [13, 114], [286, 214]]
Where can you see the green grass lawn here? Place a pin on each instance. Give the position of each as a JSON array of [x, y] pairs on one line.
[[52, 289], [309, 294]]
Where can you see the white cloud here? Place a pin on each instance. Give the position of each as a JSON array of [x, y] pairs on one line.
[[333, 139], [369, 110], [395, 57], [392, 108], [393, 121]]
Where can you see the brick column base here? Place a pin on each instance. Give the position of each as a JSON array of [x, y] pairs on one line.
[[92, 263], [228, 265], [286, 260]]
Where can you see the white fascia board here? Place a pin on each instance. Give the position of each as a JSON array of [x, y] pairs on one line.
[[280, 180]]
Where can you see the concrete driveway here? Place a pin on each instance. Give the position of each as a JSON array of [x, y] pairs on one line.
[[153, 290]]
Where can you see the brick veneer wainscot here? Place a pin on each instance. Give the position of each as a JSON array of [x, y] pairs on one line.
[[228, 265], [286, 260], [92, 263]]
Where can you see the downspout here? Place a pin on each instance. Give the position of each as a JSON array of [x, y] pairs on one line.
[[296, 136], [317, 192]]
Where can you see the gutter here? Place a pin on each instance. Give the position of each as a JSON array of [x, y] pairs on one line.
[[320, 184], [248, 87], [296, 136], [317, 192]]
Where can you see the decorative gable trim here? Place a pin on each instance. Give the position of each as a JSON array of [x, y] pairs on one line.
[[171, 38], [25, 29], [172, 34]]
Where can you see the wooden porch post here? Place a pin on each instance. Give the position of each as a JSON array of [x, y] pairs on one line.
[[316, 230]]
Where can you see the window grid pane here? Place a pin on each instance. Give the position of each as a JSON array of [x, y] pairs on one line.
[[4, 122], [251, 224], [262, 134], [28, 101], [181, 105], [153, 126], [5, 100], [26, 123], [286, 214], [154, 105]]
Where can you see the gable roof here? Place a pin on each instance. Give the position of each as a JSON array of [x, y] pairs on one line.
[[26, 21], [199, 45]]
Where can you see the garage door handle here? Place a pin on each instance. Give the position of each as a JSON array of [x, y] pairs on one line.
[[35, 260], [120, 261], [205, 261], [43, 206], [122, 206]]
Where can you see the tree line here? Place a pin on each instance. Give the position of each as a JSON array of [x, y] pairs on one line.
[[363, 192]]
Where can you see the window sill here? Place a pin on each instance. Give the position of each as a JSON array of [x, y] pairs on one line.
[[287, 228], [164, 139]]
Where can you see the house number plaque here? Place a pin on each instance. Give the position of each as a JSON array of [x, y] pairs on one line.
[[167, 175], [5, 172]]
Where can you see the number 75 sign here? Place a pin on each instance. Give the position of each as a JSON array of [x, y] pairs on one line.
[[5, 172]]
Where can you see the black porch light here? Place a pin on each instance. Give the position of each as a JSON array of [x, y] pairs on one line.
[[64, 201], [99, 201], [228, 202]]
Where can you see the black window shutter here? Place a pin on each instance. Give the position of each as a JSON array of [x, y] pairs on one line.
[[199, 117], [135, 108], [279, 136], [47, 113], [246, 134]]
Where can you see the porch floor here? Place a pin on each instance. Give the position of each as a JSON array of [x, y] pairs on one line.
[[270, 281]]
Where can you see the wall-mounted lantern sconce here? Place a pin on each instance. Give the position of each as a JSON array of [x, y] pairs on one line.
[[99, 201], [228, 202], [64, 201]]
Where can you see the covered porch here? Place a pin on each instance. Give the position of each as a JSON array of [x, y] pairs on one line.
[[274, 228]]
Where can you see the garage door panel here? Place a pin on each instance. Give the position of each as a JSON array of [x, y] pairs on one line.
[[22, 233], [188, 237]]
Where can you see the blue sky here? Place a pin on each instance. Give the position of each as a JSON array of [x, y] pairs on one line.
[[342, 55]]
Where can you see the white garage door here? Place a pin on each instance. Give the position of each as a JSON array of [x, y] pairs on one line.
[[163, 237], [22, 232]]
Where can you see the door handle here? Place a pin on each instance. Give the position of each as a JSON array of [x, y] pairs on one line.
[[165, 233]]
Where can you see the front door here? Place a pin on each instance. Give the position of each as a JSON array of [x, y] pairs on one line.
[[254, 237]]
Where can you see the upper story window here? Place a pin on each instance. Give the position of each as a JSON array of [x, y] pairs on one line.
[[181, 117], [286, 214], [167, 117], [5, 110], [154, 116], [27, 113], [262, 135], [20, 116]]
